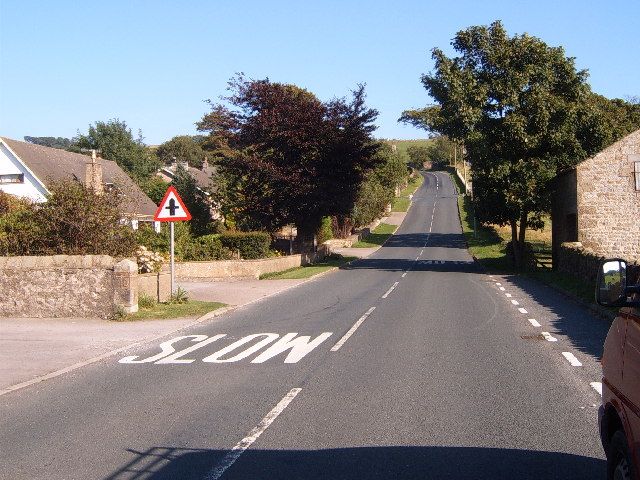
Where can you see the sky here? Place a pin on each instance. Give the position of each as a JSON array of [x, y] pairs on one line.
[[66, 64]]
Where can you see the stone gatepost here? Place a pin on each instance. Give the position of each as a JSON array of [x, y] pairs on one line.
[[125, 286]]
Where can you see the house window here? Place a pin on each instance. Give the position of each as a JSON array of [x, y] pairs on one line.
[[636, 174], [12, 178]]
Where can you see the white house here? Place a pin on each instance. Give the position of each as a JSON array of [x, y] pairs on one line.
[[26, 170]]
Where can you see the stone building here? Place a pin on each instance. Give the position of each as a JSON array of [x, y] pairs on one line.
[[597, 203]]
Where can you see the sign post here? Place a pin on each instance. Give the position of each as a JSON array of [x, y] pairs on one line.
[[172, 209]]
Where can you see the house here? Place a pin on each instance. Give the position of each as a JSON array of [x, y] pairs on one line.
[[597, 203], [26, 170]]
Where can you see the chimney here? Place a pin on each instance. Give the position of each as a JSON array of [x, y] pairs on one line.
[[93, 175]]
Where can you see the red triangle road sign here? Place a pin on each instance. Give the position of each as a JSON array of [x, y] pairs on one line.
[[172, 208]]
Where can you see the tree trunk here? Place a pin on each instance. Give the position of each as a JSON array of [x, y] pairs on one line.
[[515, 245], [305, 238], [522, 236]]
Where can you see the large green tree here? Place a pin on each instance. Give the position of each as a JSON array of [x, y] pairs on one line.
[[116, 142], [182, 148], [285, 157], [519, 107]]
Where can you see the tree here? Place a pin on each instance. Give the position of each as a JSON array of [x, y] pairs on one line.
[[182, 148], [285, 157], [115, 142], [53, 142], [517, 105]]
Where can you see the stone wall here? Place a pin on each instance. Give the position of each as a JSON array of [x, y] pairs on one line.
[[155, 285], [608, 203], [219, 269], [583, 263], [66, 286]]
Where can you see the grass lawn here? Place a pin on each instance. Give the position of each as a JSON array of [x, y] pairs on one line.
[[376, 238], [192, 308], [402, 202], [308, 270]]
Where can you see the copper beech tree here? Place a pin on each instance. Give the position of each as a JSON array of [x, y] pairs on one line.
[[284, 157]]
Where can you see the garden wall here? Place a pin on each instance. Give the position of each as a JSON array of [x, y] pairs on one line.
[[155, 285], [219, 269], [67, 286]]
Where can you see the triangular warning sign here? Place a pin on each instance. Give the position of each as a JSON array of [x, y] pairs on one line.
[[172, 208]]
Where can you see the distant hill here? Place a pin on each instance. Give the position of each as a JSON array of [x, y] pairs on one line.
[[402, 145]]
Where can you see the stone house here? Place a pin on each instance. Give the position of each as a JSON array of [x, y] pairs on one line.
[[597, 203], [26, 170]]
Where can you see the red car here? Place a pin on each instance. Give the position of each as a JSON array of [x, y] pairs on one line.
[[619, 414]]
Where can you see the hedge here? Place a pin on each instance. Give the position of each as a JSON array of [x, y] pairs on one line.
[[250, 244]]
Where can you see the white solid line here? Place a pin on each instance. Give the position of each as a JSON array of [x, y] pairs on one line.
[[571, 358], [352, 330], [231, 457], [534, 322], [522, 310], [508, 295], [515, 302], [390, 290], [502, 289], [548, 337], [404, 274], [597, 386]]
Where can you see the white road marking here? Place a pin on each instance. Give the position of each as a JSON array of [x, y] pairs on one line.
[[548, 337], [390, 290], [515, 302], [571, 358], [404, 274], [502, 289], [534, 322], [508, 295], [421, 251], [235, 453], [352, 330], [175, 358], [418, 257], [216, 357], [166, 349], [499, 284], [522, 310], [597, 386], [299, 347]]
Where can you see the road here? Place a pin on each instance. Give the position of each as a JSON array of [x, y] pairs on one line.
[[412, 363]]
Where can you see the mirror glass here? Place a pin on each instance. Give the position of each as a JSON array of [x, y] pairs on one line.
[[612, 282]]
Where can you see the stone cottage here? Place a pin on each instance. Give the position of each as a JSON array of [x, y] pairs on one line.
[[597, 203]]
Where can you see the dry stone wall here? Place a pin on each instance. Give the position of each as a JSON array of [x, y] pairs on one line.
[[584, 263]]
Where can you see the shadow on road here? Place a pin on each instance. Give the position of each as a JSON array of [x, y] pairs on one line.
[[402, 265], [585, 330], [394, 462], [418, 240]]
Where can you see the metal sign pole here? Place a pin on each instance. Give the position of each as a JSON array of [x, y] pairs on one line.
[[172, 263]]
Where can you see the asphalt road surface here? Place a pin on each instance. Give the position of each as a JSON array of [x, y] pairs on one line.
[[412, 363]]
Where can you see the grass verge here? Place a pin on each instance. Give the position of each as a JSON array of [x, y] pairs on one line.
[[308, 271], [192, 308], [402, 202], [376, 238]]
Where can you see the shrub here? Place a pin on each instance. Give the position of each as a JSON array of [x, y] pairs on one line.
[[325, 232], [207, 247], [146, 301], [148, 261], [249, 244]]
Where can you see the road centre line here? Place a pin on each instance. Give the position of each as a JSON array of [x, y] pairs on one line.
[[515, 302], [548, 337], [597, 386], [522, 310], [391, 289], [235, 453], [534, 322], [502, 289], [571, 358], [404, 274], [498, 284], [352, 330], [508, 295]]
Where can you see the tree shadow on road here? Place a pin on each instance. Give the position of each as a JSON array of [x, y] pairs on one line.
[[389, 462]]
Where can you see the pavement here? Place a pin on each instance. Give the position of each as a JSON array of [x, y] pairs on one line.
[[37, 349]]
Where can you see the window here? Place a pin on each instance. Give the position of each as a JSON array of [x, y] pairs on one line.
[[12, 178], [636, 174]]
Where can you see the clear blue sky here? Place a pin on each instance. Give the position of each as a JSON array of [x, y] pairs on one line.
[[66, 64]]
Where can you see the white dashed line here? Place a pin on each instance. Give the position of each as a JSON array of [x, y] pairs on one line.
[[522, 310], [571, 358], [502, 289], [534, 322], [404, 274], [515, 302], [499, 284], [390, 290], [235, 453], [548, 337], [597, 386], [508, 295], [352, 330]]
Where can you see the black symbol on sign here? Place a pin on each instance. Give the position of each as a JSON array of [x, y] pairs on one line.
[[172, 207]]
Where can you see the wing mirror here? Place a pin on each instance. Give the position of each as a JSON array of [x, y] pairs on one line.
[[612, 289]]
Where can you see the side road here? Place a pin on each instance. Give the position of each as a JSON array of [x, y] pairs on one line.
[[37, 349]]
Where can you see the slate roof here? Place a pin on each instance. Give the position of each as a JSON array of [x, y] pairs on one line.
[[52, 164]]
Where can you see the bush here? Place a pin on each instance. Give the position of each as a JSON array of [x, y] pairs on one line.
[[326, 231], [207, 247], [249, 244]]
